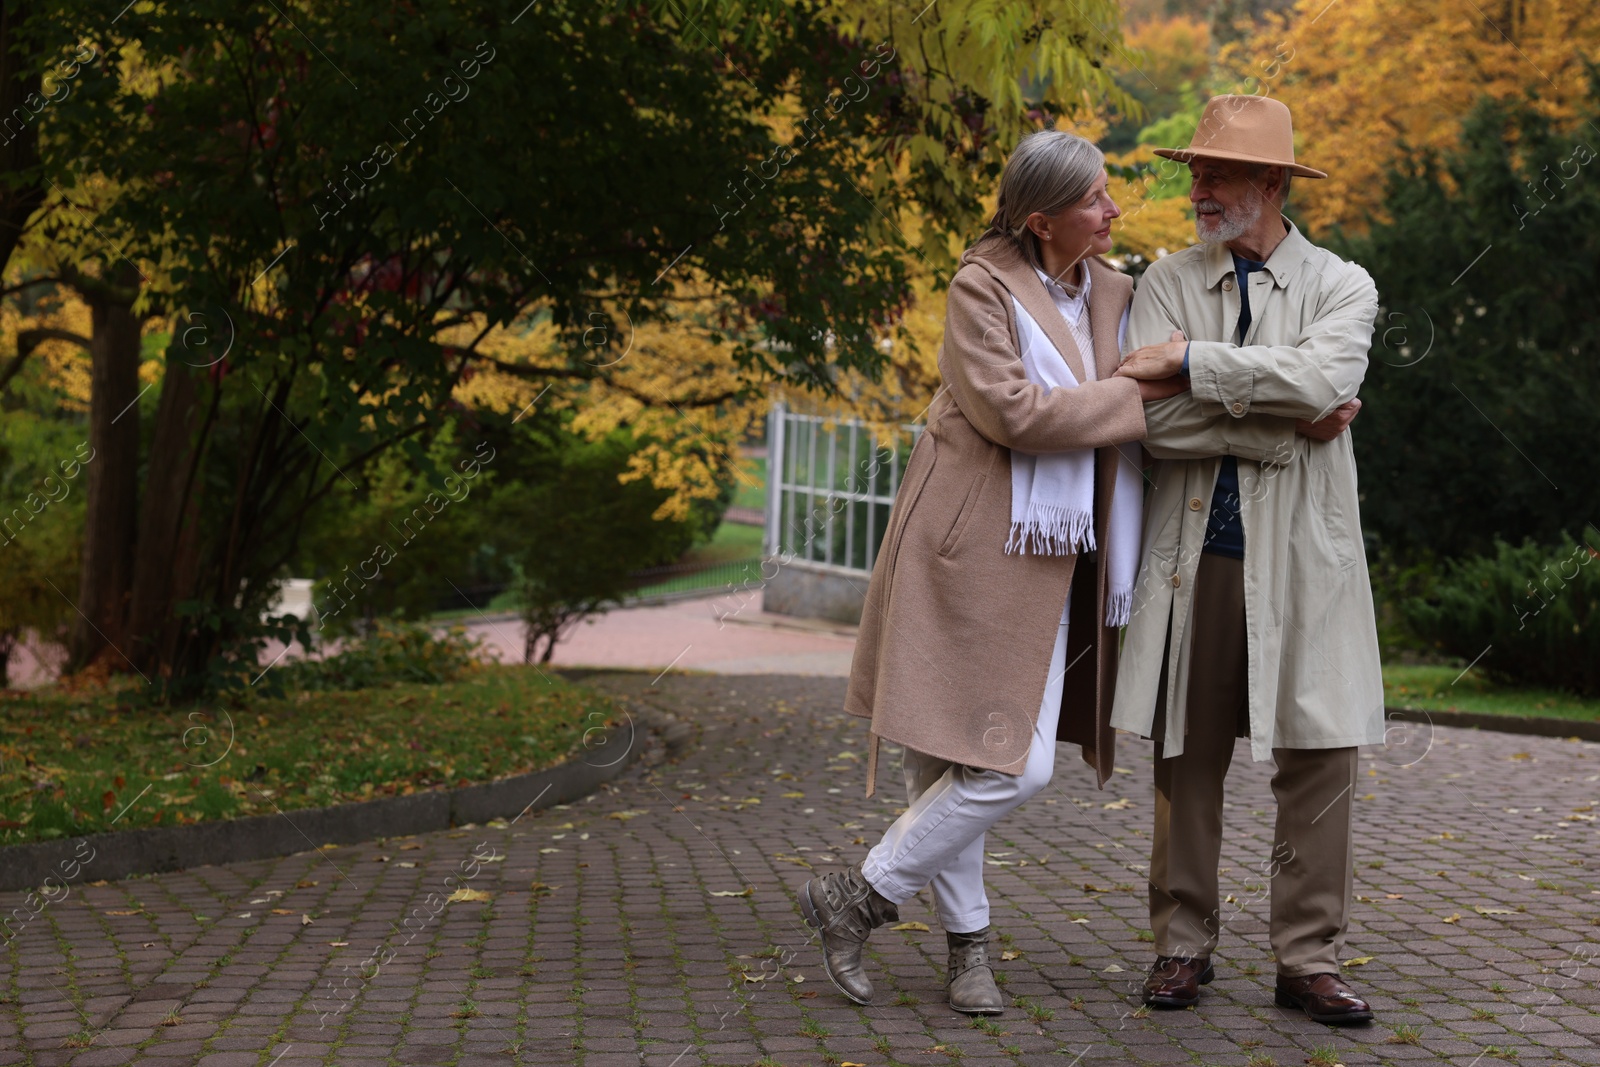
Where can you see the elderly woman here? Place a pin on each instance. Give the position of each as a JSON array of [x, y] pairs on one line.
[[990, 560]]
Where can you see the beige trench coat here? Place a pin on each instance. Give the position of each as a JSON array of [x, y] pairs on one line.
[[1314, 671], [956, 635]]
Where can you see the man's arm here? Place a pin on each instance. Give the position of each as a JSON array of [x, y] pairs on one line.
[[1186, 427], [1307, 380]]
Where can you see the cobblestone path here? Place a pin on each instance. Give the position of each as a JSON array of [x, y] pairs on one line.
[[654, 924]]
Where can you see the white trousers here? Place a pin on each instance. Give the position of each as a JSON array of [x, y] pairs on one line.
[[939, 839]]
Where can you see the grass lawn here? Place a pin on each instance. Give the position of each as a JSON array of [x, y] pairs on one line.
[[76, 762], [1435, 689], [732, 540]]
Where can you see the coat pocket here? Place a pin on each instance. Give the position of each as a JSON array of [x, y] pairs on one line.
[[968, 506]]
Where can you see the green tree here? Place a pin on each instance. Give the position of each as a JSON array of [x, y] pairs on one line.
[[575, 534], [1483, 385], [321, 205]]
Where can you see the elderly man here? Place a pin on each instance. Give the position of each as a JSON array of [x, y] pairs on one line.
[[1253, 615]]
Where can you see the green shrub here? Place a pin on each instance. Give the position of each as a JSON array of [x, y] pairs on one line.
[[392, 652], [1532, 613]]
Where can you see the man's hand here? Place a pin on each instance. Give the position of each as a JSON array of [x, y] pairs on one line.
[[1153, 362], [1333, 425], [1162, 388]]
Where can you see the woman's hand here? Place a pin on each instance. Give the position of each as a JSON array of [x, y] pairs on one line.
[[1153, 362]]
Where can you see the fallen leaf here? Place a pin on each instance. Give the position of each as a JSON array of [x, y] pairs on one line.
[[410, 847], [547, 851], [306, 920], [748, 890], [305, 883], [1395, 896], [133, 911], [922, 927], [1544, 837], [807, 995], [243, 915], [793, 796], [339, 944], [1089, 888], [465, 895], [1113, 969], [540, 887], [403, 863], [1117, 805], [1454, 918], [1010, 954], [380, 859], [283, 911], [624, 816], [1083, 921], [1359, 961]]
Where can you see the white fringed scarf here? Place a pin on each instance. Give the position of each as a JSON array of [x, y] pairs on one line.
[[1052, 495]]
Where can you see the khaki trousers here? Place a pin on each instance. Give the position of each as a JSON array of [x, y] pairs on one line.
[[1311, 865]]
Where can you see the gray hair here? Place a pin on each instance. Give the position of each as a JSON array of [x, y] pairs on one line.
[[1049, 170]]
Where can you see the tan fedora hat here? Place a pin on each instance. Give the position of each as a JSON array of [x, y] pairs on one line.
[[1244, 129]]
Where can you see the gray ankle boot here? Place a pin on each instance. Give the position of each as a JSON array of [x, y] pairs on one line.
[[971, 979], [846, 908]]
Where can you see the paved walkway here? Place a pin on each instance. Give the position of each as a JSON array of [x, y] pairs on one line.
[[654, 924], [723, 634]]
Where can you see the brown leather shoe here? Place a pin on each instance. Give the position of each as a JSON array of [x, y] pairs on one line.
[[1175, 981], [1323, 997]]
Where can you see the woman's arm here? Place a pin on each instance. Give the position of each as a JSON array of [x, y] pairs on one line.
[[980, 364]]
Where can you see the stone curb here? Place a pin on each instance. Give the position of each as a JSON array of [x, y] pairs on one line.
[[169, 848], [1504, 724]]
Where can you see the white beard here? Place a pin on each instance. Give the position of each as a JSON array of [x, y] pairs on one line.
[[1234, 221]]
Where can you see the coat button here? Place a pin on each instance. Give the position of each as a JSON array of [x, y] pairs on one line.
[[1238, 408], [1176, 581], [1195, 504], [1227, 285]]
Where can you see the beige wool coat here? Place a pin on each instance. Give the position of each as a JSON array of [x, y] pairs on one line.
[[1314, 674], [954, 647]]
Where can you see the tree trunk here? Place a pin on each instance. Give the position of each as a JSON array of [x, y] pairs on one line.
[[106, 576], [165, 559]]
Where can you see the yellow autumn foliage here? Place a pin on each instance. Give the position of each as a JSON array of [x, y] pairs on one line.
[[61, 367], [1368, 80], [670, 384]]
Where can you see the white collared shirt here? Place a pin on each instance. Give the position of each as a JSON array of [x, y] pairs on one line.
[[1072, 310]]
